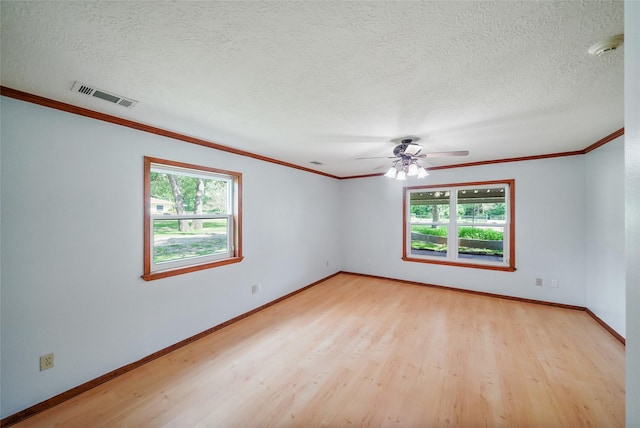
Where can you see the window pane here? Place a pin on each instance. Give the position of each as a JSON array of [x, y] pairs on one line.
[[481, 219], [429, 219], [430, 207], [188, 194], [481, 205], [181, 239], [429, 240], [481, 243]]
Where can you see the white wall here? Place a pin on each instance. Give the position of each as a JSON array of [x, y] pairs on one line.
[[72, 214], [550, 201], [0, 281], [605, 235], [632, 203], [71, 262]]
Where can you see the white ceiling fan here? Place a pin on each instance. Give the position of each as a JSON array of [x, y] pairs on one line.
[[406, 155]]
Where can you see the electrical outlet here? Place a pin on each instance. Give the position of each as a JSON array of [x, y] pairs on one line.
[[539, 282], [554, 283], [255, 288], [46, 361]]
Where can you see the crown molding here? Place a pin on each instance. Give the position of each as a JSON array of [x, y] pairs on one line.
[[69, 108]]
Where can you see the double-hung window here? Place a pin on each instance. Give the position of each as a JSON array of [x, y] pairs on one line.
[[199, 225], [463, 224]]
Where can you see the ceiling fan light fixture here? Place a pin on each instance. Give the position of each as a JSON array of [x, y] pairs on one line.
[[391, 172], [406, 168], [407, 159]]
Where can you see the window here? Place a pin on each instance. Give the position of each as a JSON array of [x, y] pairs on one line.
[[199, 225], [464, 224]]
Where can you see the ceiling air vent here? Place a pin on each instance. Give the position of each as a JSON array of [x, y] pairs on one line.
[[103, 95]]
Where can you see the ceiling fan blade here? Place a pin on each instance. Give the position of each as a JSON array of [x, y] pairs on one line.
[[412, 149], [445, 154]]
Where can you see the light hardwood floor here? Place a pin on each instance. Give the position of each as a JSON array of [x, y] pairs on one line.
[[357, 351]]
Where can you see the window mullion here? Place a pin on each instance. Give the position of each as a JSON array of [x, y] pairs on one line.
[[407, 232], [230, 195], [452, 241], [506, 238], [230, 234]]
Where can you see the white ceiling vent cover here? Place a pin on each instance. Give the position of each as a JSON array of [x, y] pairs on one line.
[[103, 95]]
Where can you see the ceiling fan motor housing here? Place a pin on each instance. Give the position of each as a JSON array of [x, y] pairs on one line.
[[398, 150], [407, 148]]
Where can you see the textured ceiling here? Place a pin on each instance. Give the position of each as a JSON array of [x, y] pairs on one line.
[[333, 81]]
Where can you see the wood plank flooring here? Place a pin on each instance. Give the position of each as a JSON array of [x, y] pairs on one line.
[[357, 351]]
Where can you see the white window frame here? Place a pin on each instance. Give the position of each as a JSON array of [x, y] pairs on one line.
[[452, 257], [153, 270]]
